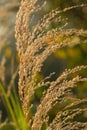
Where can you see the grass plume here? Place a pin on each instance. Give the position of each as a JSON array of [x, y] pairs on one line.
[[58, 108]]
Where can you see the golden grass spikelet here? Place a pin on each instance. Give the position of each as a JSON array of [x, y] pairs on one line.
[[2, 71], [58, 108]]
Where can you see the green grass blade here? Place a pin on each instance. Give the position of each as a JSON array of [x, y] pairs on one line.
[[8, 105]]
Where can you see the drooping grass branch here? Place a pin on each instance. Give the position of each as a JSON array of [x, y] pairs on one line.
[[58, 108]]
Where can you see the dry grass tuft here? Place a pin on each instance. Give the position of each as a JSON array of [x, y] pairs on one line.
[[58, 108]]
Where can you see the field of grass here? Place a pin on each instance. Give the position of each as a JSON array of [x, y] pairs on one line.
[[43, 65]]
